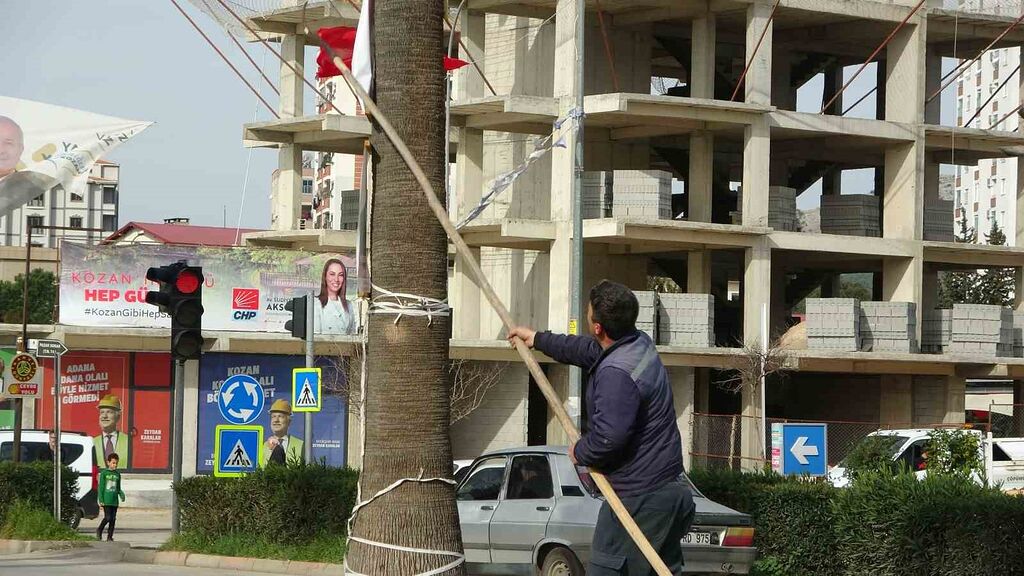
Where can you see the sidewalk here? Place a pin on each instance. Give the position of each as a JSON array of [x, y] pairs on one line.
[[140, 527]]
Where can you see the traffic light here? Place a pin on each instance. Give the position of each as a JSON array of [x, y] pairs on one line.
[[297, 325], [180, 297]]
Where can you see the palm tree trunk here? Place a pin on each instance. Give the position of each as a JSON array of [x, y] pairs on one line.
[[408, 390]]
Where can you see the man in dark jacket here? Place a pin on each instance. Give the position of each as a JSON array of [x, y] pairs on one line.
[[629, 433]]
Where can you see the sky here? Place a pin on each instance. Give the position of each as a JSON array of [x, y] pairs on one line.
[[140, 59]]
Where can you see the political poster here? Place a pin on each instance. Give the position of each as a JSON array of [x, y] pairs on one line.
[[245, 289], [42, 146], [282, 426]]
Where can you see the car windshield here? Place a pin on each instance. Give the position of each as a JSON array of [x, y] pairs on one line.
[[888, 444], [40, 451]]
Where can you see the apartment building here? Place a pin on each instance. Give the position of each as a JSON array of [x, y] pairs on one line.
[[92, 205], [730, 136]]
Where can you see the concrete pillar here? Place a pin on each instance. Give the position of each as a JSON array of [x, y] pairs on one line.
[[469, 180], [756, 304], [783, 91], [702, 57], [702, 150], [682, 379], [956, 388], [189, 456], [698, 272], [933, 77], [929, 289], [758, 82], [833, 83], [897, 400], [558, 375], [286, 203], [903, 281], [756, 152]]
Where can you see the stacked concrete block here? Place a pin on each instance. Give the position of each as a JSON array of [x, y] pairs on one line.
[[1018, 334], [833, 324], [686, 320], [851, 215], [977, 329], [597, 194], [936, 330], [782, 208], [782, 213], [647, 320], [888, 327], [348, 218], [1006, 335], [644, 193], [938, 221]]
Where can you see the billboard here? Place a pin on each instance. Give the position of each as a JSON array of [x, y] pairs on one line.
[[246, 289], [121, 399], [274, 374], [42, 145]]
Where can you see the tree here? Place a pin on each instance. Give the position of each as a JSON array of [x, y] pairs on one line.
[[993, 286], [42, 297], [407, 408]]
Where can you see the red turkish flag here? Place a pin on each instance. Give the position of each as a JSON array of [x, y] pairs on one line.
[[342, 39]]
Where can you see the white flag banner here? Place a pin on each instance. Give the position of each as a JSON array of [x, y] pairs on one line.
[[362, 51], [42, 145]]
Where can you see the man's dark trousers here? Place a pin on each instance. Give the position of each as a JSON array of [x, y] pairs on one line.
[[663, 515]]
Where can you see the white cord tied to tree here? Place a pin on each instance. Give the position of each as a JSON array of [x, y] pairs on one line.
[[400, 304], [458, 557]]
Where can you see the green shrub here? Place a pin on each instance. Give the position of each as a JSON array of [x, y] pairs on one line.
[[874, 454], [737, 490], [29, 522], [283, 504], [32, 483], [329, 549], [954, 452]]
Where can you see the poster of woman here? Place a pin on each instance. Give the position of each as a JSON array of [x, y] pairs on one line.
[[333, 312]]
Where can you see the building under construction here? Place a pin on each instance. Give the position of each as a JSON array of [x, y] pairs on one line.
[[709, 130]]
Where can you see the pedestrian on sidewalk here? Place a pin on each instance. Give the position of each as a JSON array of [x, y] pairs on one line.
[[629, 432], [110, 496]]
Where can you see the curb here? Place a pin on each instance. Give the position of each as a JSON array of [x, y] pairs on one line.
[[120, 552]]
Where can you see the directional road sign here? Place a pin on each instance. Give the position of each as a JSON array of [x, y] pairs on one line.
[[800, 449], [237, 450], [50, 348], [241, 399], [306, 390]]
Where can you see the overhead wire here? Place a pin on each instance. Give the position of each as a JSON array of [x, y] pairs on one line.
[[880, 47], [959, 70], [607, 46], [992, 96], [225, 58], [248, 57]]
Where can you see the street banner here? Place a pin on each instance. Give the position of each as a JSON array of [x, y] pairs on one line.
[[42, 146], [281, 424], [245, 289]]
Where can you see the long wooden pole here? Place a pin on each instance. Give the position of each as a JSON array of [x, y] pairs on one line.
[[554, 402]]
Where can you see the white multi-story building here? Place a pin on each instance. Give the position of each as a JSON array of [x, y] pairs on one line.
[[336, 173], [92, 205], [986, 193]]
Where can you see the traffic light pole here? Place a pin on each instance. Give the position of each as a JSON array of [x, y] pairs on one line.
[[307, 446], [176, 441]]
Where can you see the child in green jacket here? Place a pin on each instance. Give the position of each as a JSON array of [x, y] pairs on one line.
[[109, 492]]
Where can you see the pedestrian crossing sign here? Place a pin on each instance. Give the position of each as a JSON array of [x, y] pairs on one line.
[[306, 390], [237, 450]]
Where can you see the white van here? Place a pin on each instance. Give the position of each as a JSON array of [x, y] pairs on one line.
[[76, 453]]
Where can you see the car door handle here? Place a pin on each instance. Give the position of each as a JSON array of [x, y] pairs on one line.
[[487, 507], [543, 508]]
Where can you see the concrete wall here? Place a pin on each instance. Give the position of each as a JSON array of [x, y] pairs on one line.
[[12, 261], [500, 421]]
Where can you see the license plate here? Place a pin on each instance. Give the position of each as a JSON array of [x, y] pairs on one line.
[[697, 538]]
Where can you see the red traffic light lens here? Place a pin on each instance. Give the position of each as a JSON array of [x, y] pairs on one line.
[[187, 282]]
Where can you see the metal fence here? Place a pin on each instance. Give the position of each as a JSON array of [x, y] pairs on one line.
[[1006, 420], [716, 438]]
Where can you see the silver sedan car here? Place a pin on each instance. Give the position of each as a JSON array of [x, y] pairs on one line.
[[530, 510]]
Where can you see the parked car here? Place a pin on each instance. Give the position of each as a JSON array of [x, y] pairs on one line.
[[460, 468], [529, 509], [1003, 457], [76, 453]]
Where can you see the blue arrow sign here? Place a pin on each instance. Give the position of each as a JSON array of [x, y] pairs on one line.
[[306, 390], [237, 450], [241, 399], [804, 449]]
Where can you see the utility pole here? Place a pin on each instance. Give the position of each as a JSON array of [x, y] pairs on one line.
[[307, 446], [176, 440], [576, 321]]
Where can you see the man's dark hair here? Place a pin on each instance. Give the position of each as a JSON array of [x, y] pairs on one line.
[[615, 308]]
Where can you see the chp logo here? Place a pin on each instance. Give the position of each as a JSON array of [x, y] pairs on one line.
[[245, 302]]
